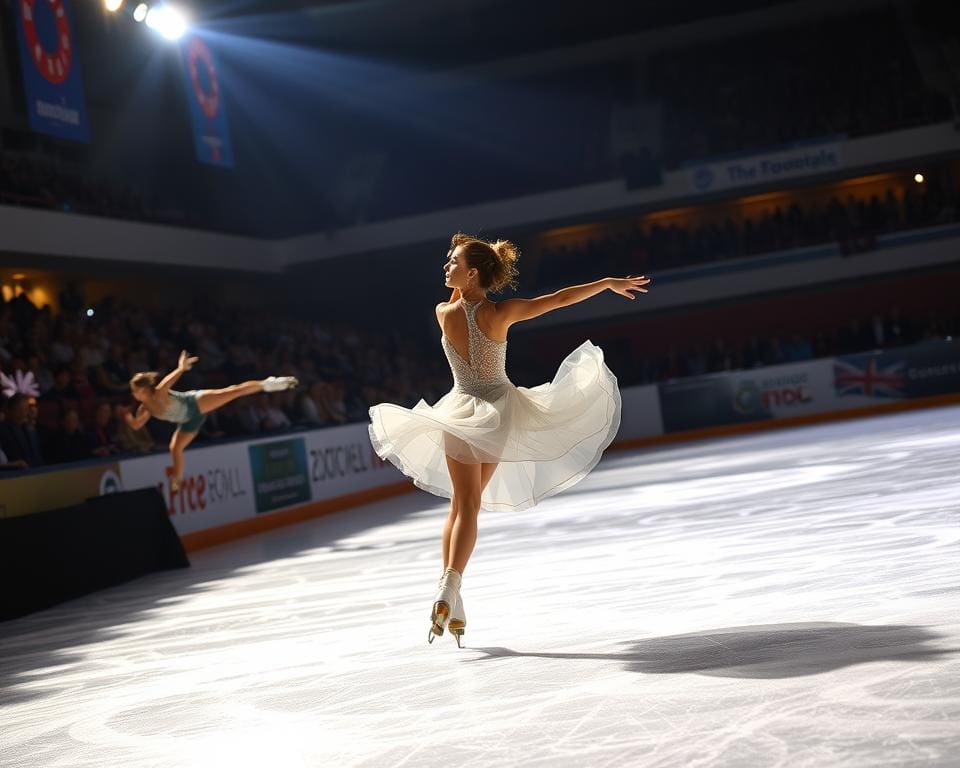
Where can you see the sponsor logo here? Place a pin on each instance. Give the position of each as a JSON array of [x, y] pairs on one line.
[[197, 492], [337, 461], [935, 371], [207, 94], [53, 64], [703, 179], [772, 394], [110, 482]]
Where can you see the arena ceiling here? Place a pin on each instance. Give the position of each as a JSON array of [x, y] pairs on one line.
[[455, 33]]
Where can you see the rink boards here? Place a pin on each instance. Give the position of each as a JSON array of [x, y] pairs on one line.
[[231, 489]]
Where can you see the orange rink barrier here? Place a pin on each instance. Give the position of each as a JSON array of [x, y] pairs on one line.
[[211, 537]]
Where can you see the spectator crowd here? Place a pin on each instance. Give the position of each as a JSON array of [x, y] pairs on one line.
[[854, 224], [81, 369], [879, 331]]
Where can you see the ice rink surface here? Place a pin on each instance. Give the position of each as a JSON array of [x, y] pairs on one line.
[[783, 599]]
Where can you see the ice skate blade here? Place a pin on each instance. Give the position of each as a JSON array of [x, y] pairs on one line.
[[438, 620]]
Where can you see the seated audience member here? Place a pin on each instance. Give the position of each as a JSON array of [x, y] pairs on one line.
[[103, 430], [69, 442], [18, 438], [272, 418]]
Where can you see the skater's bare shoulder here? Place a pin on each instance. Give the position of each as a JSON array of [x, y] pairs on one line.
[[444, 307]]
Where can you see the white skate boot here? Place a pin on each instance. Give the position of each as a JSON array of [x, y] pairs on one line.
[[444, 602], [279, 383], [458, 620]]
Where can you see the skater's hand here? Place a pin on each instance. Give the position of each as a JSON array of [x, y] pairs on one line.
[[136, 421], [626, 285], [186, 361]]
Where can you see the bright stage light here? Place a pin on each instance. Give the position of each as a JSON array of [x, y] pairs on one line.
[[112, 5], [918, 178], [140, 12], [168, 21]]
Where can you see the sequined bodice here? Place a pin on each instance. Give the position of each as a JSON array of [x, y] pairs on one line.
[[176, 410], [486, 372]]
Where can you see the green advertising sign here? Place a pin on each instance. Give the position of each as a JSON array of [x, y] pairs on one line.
[[280, 476]]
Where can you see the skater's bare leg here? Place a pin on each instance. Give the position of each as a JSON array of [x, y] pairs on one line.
[[178, 444], [211, 399], [466, 490], [486, 472], [448, 532], [459, 537]]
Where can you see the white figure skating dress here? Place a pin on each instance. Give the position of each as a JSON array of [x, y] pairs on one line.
[[544, 439]]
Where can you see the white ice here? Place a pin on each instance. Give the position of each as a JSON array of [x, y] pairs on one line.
[[787, 599]]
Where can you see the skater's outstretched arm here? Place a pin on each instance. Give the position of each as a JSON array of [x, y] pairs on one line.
[[517, 310], [185, 364]]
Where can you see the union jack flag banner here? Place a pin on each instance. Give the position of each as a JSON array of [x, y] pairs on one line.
[[869, 379]]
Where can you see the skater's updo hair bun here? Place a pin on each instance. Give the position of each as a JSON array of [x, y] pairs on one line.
[[148, 380], [496, 262]]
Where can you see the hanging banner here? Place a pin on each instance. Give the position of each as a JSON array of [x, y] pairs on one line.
[[52, 80], [205, 98]]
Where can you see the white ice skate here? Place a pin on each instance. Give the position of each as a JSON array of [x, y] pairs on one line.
[[279, 383], [458, 620], [446, 599]]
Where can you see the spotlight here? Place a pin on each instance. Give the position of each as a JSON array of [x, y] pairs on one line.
[[112, 5], [90, 312], [918, 177], [168, 21], [140, 12]]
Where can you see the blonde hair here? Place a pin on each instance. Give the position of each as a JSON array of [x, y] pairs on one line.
[[147, 379], [494, 261]]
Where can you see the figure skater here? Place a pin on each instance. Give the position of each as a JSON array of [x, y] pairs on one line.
[[487, 442], [188, 409]]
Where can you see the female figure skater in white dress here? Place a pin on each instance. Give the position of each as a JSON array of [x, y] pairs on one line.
[[488, 443]]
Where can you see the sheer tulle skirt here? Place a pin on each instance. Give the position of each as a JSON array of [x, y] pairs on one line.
[[544, 439]]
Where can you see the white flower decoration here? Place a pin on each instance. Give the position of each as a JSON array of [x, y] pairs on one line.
[[24, 383]]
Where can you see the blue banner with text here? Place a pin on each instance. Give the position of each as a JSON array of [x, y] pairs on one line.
[[205, 99], [50, 66]]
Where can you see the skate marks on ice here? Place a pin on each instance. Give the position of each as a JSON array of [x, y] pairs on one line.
[[765, 651]]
